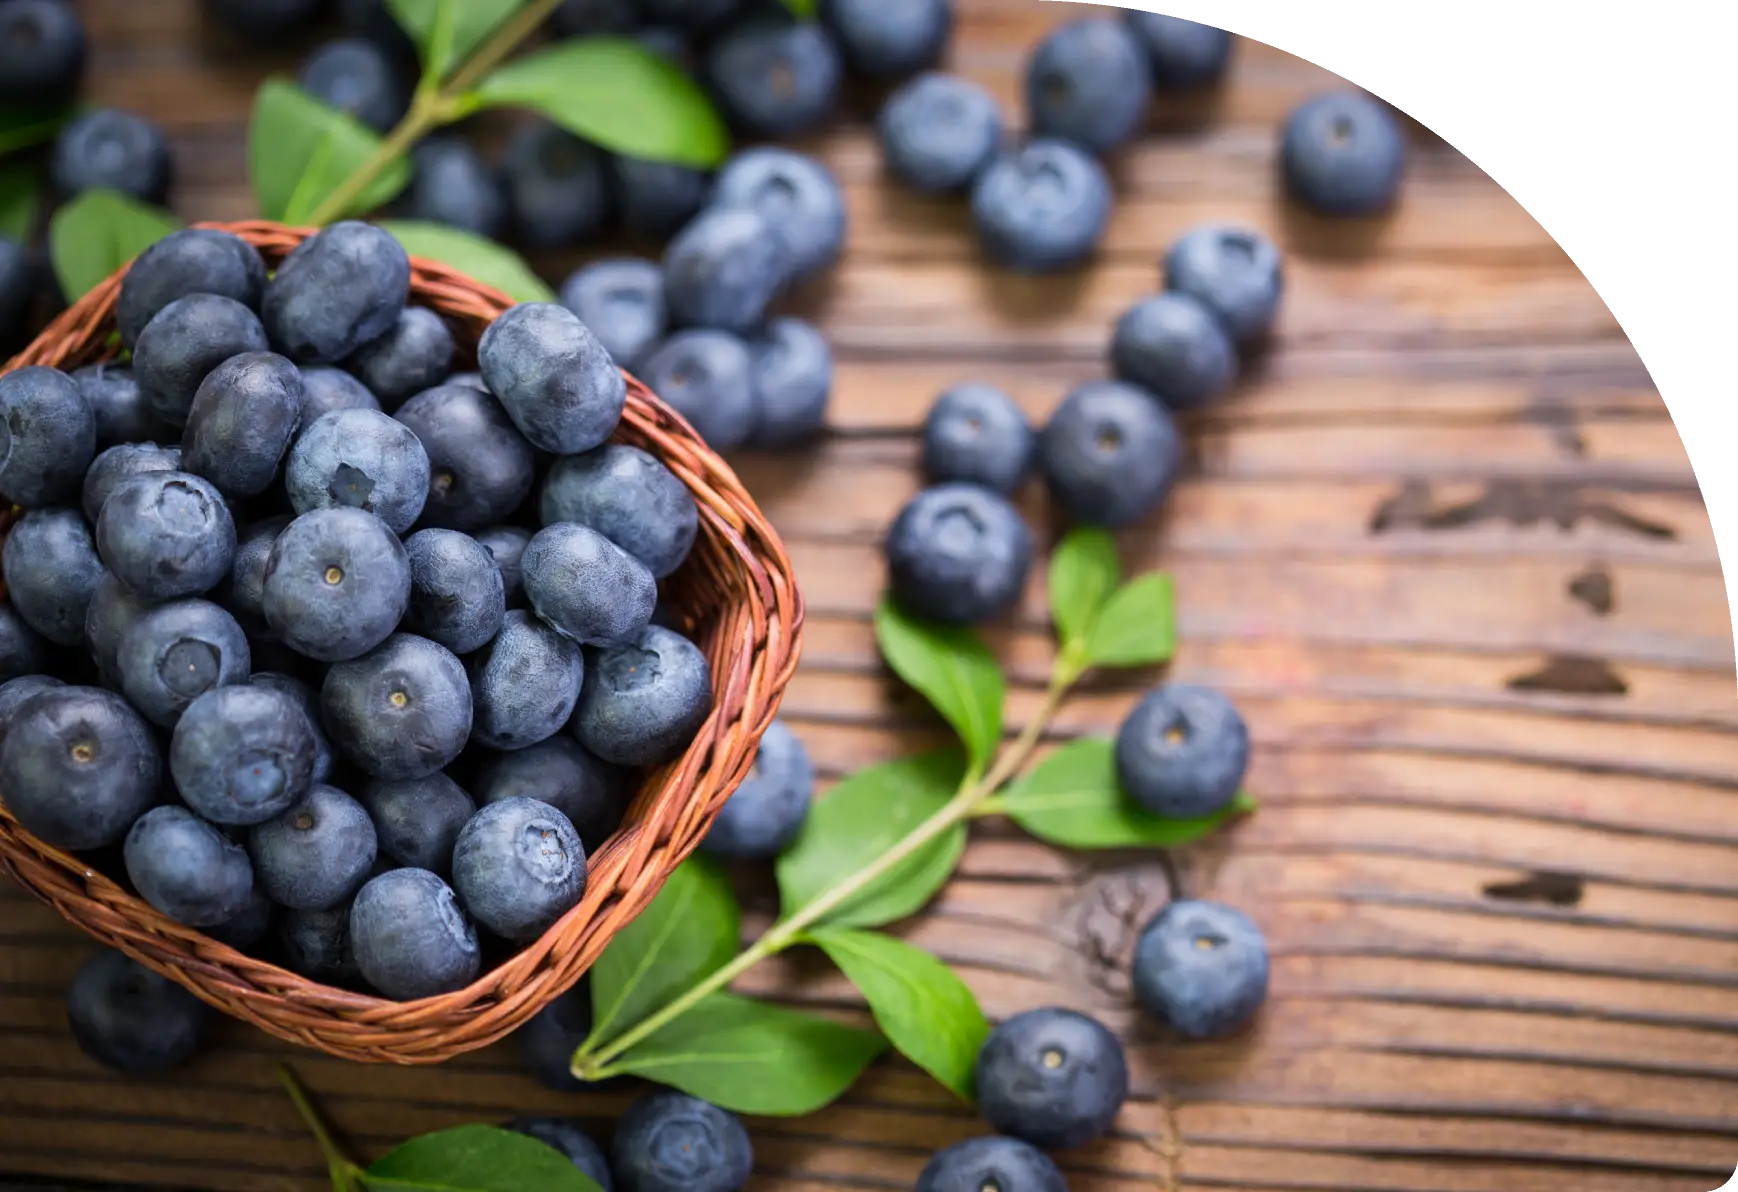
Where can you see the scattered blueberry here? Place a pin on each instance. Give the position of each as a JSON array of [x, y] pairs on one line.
[[724, 269], [1110, 453], [166, 535], [326, 388], [480, 466], [108, 149], [939, 132], [622, 301], [410, 938], [655, 198], [242, 754], [317, 945], [547, 1042], [1172, 346], [1003, 1164], [243, 591], [336, 584], [247, 926], [506, 545], [518, 866], [586, 587], [889, 39], [122, 414], [708, 378], [568, 1137], [642, 704], [52, 571], [1089, 82], [265, 21], [22, 650], [173, 654], [1182, 752], [775, 77], [958, 554], [557, 186], [1183, 54], [78, 766], [1051, 1077], [126, 1017], [975, 434], [552, 376], [671, 1142], [453, 185], [338, 289], [457, 595], [42, 51], [188, 261], [401, 711], [418, 819], [240, 424], [120, 463], [416, 353], [48, 436], [797, 197], [1041, 208], [360, 459], [1202, 968], [317, 854], [359, 79], [186, 340], [559, 772], [524, 684], [793, 380], [627, 496], [765, 813], [1234, 272], [309, 702], [188, 869], [1343, 154]]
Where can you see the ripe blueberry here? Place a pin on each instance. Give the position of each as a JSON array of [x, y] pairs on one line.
[[1234, 272], [48, 436], [52, 571], [518, 866], [552, 376], [340, 288], [697, 16], [1089, 82], [480, 466], [78, 766], [326, 388], [725, 268], [242, 592], [655, 198], [359, 459], [317, 945], [188, 261], [557, 186], [590, 793], [453, 185], [112, 611], [457, 595], [359, 79], [309, 702], [418, 819], [1202, 968], [20, 279], [793, 378], [586, 587], [889, 39], [958, 554], [247, 926], [317, 854], [42, 51], [188, 869], [547, 1042], [524, 684], [775, 77], [336, 585], [707, 377], [568, 1137], [622, 301], [112, 150], [1182, 752], [627, 496], [1343, 154], [1174, 347], [15, 693], [1183, 54], [642, 704], [240, 424], [122, 462], [174, 653], [242, 754], [410, 938], [1110, 453], [126, 1017], [1003, 1164], [939, 132], [186, 340], [22, 650], [766, 812], [799, 199], [1051, 1077], [671, 1142], [166, 535], [589, 18], [120, 409], [414, 354], [975, 434], [506, 545], [1042, 207], [400, 711]]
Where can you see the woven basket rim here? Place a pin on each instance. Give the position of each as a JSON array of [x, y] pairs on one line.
[[752, 640]]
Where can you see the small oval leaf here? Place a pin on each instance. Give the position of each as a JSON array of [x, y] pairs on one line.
[[476, 1159], [300, 150], [97, 233], [1084, 571], [952, 669], [471, 22], [481, 260], [1138, 625]]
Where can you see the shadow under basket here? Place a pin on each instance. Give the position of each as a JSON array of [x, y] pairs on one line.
[[735, 595]]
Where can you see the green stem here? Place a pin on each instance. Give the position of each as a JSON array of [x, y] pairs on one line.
[[346, 1176], [973, 792]]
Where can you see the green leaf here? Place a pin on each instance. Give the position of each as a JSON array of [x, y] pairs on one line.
[[751, 1057], [1071, 798], [689, 930], [861, 818], [801, 9], [919, 1003], [472, 22], [25, 125], [952, 669], [480, 259], [1138, 626], [300, 150], [1084, 571], [20, 191], [476, 1159], [617, 94], [98, 232]]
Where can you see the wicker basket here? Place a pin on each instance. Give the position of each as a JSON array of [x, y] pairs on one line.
[[736, 593]]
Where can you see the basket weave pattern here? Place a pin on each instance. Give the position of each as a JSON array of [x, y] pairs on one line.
[[737, 594]]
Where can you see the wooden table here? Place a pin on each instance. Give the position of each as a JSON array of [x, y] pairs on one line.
[[1445, 549]]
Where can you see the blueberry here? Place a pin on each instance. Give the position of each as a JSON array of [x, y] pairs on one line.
[[402, 711], [1051, 1077], [586, 587], [126, 1017], [309, 702], [775, 77], [667, 42], [1202, 968], [1173, 346], [186, 340], [958, 554], [724, 269], [671, 1142], [1041, 208], [627, 496], [166, 535], [506, 545], [1089, 82], [22, 650], [694, 15], [1343, 154], [337, 584], [552, 376], [453, 185], [1183, 54], [326, 388], [559, 772], [48, 436], [975, 434], [20, 277], [360, 459], [121, 412], [524, 684], [359, 79], [242, 754], [589, 18], [188, 261], [265, 21], [765, 813], [622, 301], [480, 466], [112, 150], [120, 463], [78, 766], [473, 379], [547, 1042], [42, 52], [519, 866], [1003, 1164], [240, 424], [112, 611], [567, 1136], [1234, 272], [410, 938], [457, 596], [800, 201], [1110, 453], [317, 945], [889, 39], [793, 379], [557, 186], [418, 819], [642, 704], [416, 353], [52, 571], [317, 854], [247, 926], [173, 654], [340, 288], [708, 378], [243, 591], [939, 132], [374, 20], [655, 198], [188, 869], [1182, 752], [15, 693]]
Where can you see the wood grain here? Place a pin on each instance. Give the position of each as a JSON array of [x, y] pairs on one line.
[[1442, 544]]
